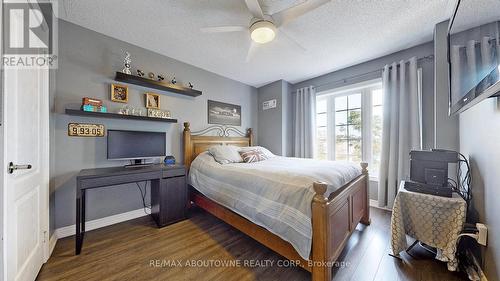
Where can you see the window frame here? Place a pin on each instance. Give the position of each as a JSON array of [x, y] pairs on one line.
[[365, 89]]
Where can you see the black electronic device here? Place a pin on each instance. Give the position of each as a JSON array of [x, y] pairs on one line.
[[135, 145], [431, 166], [428, 189], [169, 160], [429, 171]]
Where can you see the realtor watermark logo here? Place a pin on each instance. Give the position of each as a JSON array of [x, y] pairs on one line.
[[30, 34]]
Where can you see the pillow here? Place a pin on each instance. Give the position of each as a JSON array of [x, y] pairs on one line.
[[264, 150], [225, 154], [253, 155]]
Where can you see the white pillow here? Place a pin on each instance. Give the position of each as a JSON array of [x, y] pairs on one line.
[[225, 154], [264, 150]]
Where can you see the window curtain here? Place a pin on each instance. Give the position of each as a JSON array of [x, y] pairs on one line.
[[304, 122], [401, 127]]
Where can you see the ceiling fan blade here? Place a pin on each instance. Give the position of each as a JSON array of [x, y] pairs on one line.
[[251, 50], [293, 41], [218, 29], [288, 15], [255, 9]]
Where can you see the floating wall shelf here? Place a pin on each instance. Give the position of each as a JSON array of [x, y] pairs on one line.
[[78, 112], [152, 84]]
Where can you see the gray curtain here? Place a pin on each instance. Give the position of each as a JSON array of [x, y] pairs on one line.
[[304, 122], [401, 127]]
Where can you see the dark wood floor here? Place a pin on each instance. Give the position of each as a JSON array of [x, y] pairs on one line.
[[137, 250]]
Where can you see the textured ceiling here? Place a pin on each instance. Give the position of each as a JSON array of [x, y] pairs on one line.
[[336, 35]]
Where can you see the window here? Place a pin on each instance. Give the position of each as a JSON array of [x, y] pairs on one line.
[[349, 124]]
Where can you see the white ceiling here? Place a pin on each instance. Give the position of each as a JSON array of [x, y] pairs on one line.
[[339, 34]]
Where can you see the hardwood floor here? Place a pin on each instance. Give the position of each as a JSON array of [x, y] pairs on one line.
[[193, 250]]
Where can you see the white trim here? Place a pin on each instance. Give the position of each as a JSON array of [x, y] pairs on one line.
[[102, 222], [374, 204], [52, 244], [352, 87]]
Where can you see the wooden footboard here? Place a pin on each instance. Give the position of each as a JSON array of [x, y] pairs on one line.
[[333, 221], [333, 218]]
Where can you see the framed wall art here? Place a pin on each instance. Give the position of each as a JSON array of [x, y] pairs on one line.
[[224, 113]]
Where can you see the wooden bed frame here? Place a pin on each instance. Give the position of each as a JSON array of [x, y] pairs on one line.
[[333, 218]]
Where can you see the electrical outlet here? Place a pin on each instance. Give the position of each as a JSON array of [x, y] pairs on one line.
[[482, 234]]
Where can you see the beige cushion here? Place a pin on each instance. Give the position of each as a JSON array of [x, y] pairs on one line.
[[253, 155], [225, 154], [264, 150]]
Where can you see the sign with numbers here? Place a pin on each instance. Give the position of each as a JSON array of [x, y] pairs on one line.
[[85, 130]]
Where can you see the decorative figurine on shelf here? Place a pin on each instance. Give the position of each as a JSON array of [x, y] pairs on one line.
[[140, 73], [190, 85], [161, 77], [126, 63], [151, 75], [125, 110], [173, 81]]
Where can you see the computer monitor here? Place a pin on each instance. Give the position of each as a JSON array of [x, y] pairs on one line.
[[135, 145]]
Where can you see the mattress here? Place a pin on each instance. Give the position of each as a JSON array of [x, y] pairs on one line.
[[275, 193]]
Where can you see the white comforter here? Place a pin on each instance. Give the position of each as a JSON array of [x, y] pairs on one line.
[[275, 193]]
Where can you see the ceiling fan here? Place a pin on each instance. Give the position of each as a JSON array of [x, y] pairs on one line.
[[263, 28]]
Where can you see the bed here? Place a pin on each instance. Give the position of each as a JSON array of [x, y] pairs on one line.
[[334, 212]]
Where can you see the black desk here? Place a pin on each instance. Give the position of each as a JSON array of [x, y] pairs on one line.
[[168, 191]]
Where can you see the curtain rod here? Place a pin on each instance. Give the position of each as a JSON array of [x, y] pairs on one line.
[[344, 80]]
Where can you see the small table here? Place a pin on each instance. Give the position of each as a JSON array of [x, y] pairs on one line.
[[168, 191], [434, 220]]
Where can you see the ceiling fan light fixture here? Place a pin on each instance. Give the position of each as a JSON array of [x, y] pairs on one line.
[[262, 32]]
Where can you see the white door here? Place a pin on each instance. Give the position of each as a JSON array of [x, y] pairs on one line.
[[25, 124]]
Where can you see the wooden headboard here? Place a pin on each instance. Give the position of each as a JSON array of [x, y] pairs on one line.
[[196, 142]]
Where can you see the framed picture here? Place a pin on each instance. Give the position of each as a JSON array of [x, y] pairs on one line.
[[224, 113], [152, 100], [119, 93]]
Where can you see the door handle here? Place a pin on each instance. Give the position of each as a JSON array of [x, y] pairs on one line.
[[13, 167]]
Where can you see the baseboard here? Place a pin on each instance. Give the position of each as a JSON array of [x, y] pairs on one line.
[[102, 222], [52, 243], [374, 204]]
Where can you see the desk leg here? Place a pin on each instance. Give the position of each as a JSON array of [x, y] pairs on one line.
[[83, 212], [78, 238]]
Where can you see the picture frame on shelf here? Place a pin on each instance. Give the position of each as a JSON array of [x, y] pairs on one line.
[[152, 100], [157, 113], [119, 93]]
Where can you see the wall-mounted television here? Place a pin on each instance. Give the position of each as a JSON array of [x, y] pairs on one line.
[[135, 145], [473, 53]]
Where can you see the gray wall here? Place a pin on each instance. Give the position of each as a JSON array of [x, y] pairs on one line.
[[446, 127], [275, 125], [479, 140], [287, 117], [270, 121], [87, 63]]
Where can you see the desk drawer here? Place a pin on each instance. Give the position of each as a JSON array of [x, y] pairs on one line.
[[173, 173], [118, 179]]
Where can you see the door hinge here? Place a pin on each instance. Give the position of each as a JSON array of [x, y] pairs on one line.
[[45, 237]]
